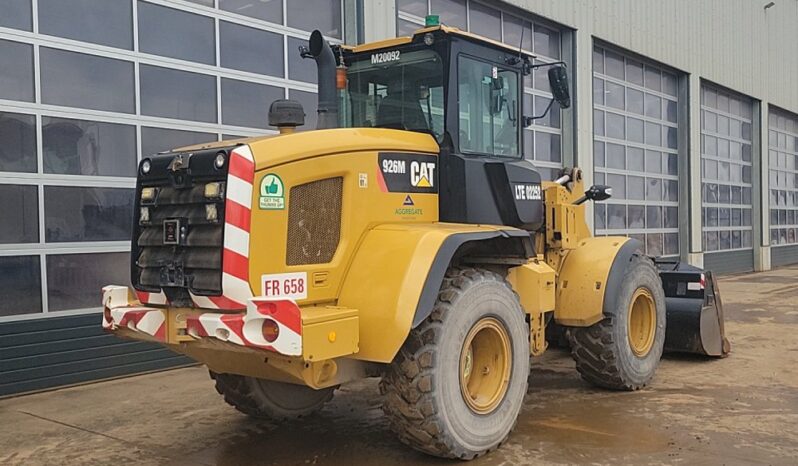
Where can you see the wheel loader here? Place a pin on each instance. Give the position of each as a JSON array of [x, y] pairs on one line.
[[406, 238]]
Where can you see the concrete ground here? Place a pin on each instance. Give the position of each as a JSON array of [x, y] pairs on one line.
[[739, 410]]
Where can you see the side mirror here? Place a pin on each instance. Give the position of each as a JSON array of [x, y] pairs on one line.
[[597, 192], [497, 95], [558, 81]]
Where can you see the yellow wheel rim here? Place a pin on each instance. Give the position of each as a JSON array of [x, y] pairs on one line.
[[642, 322], [485, 365]]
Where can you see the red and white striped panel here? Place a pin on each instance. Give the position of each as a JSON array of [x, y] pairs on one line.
[[118, 313], [151, 298], [235, 256], [246, 329]]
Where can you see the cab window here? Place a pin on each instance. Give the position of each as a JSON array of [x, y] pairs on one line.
[[403, 91], [488, 108]]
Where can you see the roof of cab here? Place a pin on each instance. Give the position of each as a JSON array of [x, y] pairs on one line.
[[381, 44]]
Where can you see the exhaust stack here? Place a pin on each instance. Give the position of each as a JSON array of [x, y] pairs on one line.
[[319, 49]]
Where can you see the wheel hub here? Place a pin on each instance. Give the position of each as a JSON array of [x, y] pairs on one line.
[[642, 323], [485, 365]]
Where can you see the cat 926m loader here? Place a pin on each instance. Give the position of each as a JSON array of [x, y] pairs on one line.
[[405, 238]]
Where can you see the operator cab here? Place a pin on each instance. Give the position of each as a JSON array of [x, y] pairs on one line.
[[464, 90]]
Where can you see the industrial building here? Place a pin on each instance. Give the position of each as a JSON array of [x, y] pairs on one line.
[[688, 109]]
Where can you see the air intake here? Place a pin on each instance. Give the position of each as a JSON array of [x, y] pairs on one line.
[[314, 222]]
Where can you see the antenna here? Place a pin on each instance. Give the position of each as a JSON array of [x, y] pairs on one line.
[[521, 58]]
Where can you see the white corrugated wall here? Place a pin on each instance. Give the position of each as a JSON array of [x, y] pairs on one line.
[[735, 43]]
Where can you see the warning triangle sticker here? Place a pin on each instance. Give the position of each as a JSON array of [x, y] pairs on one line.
[[408, 201], [423, 183]]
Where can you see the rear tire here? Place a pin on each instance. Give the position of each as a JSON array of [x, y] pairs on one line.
[[622, 351], [456, 386], [267, 399]]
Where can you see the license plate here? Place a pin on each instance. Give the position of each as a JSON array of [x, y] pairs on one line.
[[285, 285]]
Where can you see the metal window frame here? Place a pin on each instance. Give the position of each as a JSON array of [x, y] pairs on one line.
[[742, 229], [774, 113], [135, 119], [626, 143]]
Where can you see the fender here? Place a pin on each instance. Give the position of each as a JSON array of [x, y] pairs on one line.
[[396, 274], [590, 277]]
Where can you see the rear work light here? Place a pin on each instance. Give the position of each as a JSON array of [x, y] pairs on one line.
[[214, 190], [148, 195]]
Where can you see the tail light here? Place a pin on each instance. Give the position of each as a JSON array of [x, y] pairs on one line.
[[270, 330]]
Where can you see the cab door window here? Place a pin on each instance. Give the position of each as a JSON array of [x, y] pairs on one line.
[[487, 108]]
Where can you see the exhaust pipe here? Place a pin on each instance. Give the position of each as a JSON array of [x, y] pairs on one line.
[[319, 49]]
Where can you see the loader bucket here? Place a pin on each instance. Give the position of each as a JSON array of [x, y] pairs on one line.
[[695, 322]]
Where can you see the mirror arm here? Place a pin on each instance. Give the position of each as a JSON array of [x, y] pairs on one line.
[[529, 119], [543, 65]]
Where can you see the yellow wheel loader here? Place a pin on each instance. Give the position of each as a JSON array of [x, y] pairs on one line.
[[405, 238]]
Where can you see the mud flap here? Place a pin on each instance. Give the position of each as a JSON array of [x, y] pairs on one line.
[[695, 321]]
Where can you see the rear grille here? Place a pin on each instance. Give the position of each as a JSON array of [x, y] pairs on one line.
[[314, 222], [195, 263]]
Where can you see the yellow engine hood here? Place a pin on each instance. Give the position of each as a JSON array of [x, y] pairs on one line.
[[278, 149]]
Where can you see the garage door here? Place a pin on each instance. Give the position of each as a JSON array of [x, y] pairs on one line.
[[783, 185], [43, 353], [726, 179], [635, 131]]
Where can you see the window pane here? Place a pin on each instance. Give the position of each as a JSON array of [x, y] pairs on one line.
[[78, 80], [309, 102], [267, 11], [79, 147], [247, 104], [17, 142], [324, 15], [300, 69], [105, 22], [20, 285], [414, 7], [547, 147], [19, 214], [486, 21], [512, 31], [154, 140], [452, 12], [405, 28], [87, 214], [485, 130], [248, 49], [16, 14], [177, 34], [178, 94], [16, 71], [547, 42], [74, 280], [552, 119]]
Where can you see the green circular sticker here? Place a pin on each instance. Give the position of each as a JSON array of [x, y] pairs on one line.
[[272, 193]]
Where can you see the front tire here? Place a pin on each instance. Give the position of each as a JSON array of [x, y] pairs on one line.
[[456, 387], [622, 351], [267, 399]]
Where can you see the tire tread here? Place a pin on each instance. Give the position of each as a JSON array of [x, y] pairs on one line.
[[408, 384]]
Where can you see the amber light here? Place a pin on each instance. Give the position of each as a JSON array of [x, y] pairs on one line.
[[340, 78], [270, 330]]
